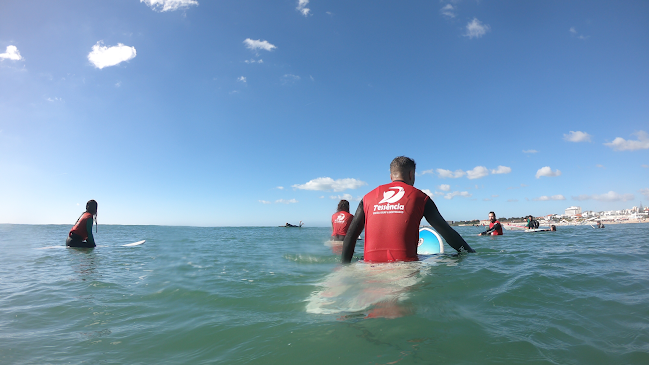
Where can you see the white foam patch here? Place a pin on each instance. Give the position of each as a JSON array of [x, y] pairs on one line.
[[360, 286]]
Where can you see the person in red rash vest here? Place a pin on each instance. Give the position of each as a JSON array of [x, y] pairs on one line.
[[391, 214], [81, 234], [495, 228], [340, 221]]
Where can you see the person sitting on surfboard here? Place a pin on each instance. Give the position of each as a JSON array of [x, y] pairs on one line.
[[495, 228], [531, 223], [81, 234], [340, 221], [390, 215], [292, 225]]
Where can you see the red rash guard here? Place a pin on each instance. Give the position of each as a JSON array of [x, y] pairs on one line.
[[498, 231], [392, 216], [80, 227], [340, 222]]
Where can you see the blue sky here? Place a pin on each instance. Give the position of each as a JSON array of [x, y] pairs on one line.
[[251, 112]]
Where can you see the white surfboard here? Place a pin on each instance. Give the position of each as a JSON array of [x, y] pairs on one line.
[[134, 243], [430, 242]]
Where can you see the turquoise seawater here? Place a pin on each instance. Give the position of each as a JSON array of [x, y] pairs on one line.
[[268, 295]]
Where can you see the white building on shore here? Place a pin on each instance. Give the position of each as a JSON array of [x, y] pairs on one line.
[[572, 211]]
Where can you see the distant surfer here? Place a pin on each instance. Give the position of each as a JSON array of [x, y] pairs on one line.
[[531, 223], [495, 228], [600, 224], [292, 225], [390, 215], [340, 221], [81, 234]]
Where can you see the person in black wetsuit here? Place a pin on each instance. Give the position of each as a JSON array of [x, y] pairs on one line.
[[81, 234], [531, 223]]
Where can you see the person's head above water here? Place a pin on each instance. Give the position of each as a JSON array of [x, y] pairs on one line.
[[492, 217], [343, 205], [403, 168], [91, 207]]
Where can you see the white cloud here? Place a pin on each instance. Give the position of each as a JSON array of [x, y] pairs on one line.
[[54, 99], [11, 53], [600, 166], [644, 192], [445, 187], [290, 79], [611, 196], [242, 79], [283, 201], [169, 5], [530, 151], [452, 195], [450, 174], [348, 197], [327, 184], [264, 202], [547, 171], [301, 7], [258, 44], [477, 172], [476, 29], [102, 56], [431, 171], [620, 144], [448, 10], [252, 60], [577, 136], [548, 198], [502, 170], [280, 188], [573, 31], [512, 200], [428, 192]]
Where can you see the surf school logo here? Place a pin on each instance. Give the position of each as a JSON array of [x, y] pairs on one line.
[[340, 218], [393, 195]]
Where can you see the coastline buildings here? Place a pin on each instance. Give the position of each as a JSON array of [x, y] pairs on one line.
[[573, 211], [575, 214]]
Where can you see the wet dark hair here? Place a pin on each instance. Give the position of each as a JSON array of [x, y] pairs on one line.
[[343, 205], [402, 164], [91, 206], [493, 214]]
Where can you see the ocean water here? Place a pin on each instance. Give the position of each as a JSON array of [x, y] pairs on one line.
[[268, 295]]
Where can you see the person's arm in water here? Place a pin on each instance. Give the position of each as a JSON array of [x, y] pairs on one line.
[[441, 226], [496, 226], [90, 239], [355, 229]]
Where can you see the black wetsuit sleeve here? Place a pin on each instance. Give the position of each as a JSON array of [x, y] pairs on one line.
[[495, 227], [441, 226], [355, 229], [90, 239]]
